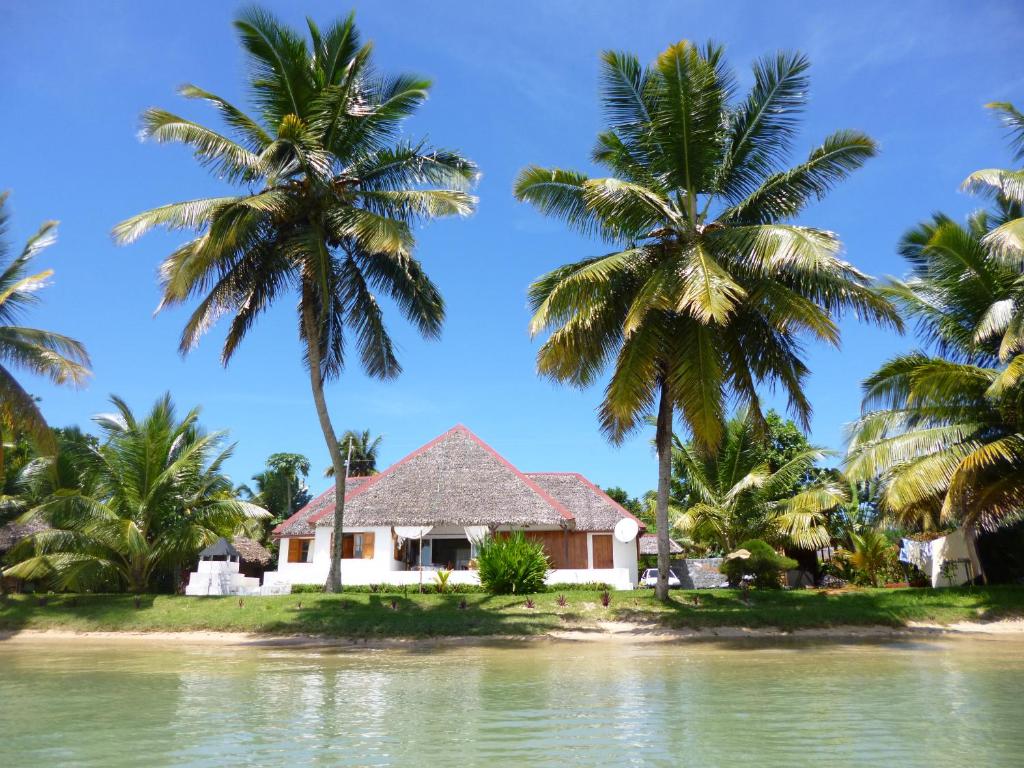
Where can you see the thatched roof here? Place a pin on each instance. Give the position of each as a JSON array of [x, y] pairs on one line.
[[457, 479], [649, 545], [251, 551], [299, 524], [592, 508], [12, 533]]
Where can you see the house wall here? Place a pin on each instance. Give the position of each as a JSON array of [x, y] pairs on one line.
[[382, 568], [363, 571]]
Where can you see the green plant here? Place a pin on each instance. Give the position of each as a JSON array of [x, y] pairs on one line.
[[441, 581], [764, 564], [149, 499], [512, 564], [873, 558]]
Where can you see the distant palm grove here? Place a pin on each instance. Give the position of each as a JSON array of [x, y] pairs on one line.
[[707, 286]]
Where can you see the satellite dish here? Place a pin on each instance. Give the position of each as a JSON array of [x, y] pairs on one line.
[[412, 531], [626, 530]]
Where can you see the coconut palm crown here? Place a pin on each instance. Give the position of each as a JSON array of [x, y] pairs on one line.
[[331, 196], [709, 286], [43, 353], [944, 432]]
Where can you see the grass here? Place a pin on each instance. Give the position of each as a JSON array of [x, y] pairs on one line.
[[397, 615]]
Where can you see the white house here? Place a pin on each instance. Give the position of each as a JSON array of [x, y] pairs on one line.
[[457, 488]]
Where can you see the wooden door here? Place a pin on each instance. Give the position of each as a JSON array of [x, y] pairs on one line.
[[602, 543]]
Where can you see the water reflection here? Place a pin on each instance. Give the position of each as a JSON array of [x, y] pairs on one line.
[[931, 703]]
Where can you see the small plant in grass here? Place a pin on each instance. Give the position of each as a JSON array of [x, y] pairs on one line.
[[241, 602], [441, 581], [529, 603], [562, 602], [606, 598], [512, 565], [764, 564], [462, 604], [394, 604]]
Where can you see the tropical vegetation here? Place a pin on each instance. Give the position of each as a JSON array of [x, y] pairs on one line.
[[943, 426], [132, 510], [360, 450], [51, 355], [759, 561], [734, 493], [512, 564], [331, 195], [709, 287], [280, 488]]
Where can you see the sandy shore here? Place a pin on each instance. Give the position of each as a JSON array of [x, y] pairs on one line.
[[603, 632]]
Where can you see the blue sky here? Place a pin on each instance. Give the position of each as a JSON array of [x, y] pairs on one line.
[[515, 83]]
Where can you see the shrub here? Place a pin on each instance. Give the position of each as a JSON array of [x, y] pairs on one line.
[[765, 565], [441, 581], [873, 560], [512, 565], [301, 589]]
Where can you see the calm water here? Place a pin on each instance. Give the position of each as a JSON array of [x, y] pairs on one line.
[[937, 703]]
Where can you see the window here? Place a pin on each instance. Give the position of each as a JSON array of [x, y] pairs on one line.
[[298, 550], [357, 546]]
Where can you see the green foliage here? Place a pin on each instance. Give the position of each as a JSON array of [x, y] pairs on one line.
[[441, 581], [281, 488], [512, 564], [633, 504], [873, 560], [138, 506], [363, 459], [944, 432], [53, 356], [736, 492], [765, 565]]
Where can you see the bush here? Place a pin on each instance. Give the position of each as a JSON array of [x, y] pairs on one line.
[[765, 565], [512, 565], [873, 561]]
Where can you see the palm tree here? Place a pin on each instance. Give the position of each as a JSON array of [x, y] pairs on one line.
[[726, 497], [331, 199], [1005, 241], [148, 499], [708, 289], [944, 432], [361, 452], [281, 487], [43, 353]]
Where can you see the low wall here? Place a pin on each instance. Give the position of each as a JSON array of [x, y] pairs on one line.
[[699, 572]]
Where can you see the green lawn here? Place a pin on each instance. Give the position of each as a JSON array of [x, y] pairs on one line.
[[372, 615]]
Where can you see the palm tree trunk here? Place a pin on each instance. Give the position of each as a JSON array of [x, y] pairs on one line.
[[663, 442], [316, 381]]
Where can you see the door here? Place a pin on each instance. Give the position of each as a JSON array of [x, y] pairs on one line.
[[602, 543]]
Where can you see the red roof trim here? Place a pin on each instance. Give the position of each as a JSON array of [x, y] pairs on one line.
[[596, 489]]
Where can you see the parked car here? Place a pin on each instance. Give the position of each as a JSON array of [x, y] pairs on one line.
[[649, 578]]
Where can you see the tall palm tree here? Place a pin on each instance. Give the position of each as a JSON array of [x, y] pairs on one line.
[[361, 449], [733, 494], [148, 499], [331, 197], [43, 353], [944, 432], [708, 289]]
